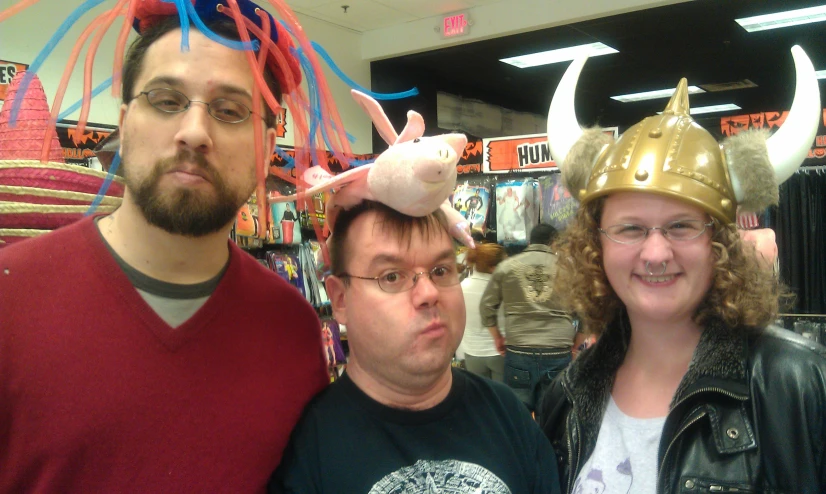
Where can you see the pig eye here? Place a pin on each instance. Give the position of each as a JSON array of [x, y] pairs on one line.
[[416, 140]]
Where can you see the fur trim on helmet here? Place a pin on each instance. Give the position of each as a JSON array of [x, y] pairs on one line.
[[581, 158], [748, 162]]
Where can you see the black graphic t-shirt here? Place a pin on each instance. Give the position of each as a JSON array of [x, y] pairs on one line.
[[480, 439]]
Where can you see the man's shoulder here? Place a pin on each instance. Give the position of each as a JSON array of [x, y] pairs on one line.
[[332, 406], [482, 390]]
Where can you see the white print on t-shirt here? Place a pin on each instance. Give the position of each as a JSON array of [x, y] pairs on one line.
[[625, 456], [594, 482], [441, 477]]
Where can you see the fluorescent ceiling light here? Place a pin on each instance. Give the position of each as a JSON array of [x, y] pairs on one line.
[[697, 110], [783, 19], [560, 55], [820, 74], [646, 95]]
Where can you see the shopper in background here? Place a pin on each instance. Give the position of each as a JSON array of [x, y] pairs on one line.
[[481, 355], [538, 335], [401, 419], [142, 351], [688, 388]]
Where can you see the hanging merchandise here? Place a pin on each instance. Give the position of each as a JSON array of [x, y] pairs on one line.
[[472, 202], [331, 336], [321, 268], [246, 223], [517, 211], [284, 228], [558, 206], [314, 289], [314, 210], [288, 267]]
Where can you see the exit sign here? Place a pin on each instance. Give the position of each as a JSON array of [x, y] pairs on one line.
[[455, 25]]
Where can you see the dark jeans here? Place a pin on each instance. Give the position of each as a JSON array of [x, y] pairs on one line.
[[529, 371]]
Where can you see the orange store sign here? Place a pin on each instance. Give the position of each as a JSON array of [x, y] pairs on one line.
[[7, 72]]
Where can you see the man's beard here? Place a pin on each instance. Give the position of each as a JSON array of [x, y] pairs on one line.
[[182, 211]]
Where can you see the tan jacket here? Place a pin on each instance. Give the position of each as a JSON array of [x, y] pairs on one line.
[[524, 284]]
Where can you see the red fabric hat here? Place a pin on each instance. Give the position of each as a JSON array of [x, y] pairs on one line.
[[24, 141]]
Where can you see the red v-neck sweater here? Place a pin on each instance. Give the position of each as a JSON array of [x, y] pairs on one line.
[[99, 394]]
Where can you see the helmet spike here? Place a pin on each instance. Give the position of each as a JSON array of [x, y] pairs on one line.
[[678, 105]]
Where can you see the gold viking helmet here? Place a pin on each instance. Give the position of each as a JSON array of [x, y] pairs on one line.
[[670, 154]]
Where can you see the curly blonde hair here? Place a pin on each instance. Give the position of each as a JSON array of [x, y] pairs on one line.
[[742, 295]]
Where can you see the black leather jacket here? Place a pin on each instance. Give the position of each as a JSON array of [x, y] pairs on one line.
[[749, 415]]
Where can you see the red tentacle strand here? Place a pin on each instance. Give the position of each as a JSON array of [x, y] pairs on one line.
[[16, 9], [64, 82], [120, 48], [88, 66]]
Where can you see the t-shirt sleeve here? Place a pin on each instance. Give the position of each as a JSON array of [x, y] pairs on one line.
[[491, 299], [299, 471]]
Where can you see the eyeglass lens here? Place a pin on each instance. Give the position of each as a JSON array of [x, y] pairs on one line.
[[172, 101], [676, 230]]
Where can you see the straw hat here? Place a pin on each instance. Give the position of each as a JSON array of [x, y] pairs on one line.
[[25, 139], [37, 197]]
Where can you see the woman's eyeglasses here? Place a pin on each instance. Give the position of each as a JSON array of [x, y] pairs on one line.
[[680, 231]]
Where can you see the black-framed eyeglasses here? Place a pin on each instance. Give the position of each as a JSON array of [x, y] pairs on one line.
[[402, 280], [679, 230], [169, 100]]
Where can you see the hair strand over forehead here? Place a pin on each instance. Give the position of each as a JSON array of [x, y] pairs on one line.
[[391, 223]]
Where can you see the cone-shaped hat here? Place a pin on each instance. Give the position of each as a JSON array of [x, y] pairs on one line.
[[24, 141]]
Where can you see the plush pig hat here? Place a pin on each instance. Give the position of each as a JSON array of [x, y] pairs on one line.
[[414, 176], [671, 155]]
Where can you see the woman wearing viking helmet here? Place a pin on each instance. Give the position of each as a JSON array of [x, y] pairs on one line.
[[689, 388]]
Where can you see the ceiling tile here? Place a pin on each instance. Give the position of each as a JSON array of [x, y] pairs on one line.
[[363, 14], [428, 8], [298, 5]]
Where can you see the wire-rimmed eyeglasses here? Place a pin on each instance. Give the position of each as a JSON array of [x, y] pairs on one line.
[[402, 280], [679, 230], [169, 100]]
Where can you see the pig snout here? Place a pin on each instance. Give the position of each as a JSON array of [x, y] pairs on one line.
[[445, 156], [457, 142], [436, 170]]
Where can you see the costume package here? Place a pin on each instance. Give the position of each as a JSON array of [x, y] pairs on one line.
[[246, 223], [473, 203], [287, 267], [558, 205], [517, 211], [285, 227], [315, 210]]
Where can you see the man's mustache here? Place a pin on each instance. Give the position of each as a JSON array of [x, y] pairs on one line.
[[169, 164]]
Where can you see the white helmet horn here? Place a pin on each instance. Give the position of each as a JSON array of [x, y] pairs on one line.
[[563, 128], [790, 145]]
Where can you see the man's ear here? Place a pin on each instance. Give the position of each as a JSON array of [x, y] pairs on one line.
[[336, 292], [269, 146], [121, 116]]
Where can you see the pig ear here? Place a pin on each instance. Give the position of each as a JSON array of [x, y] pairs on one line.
[[413, 129], [377, 115]]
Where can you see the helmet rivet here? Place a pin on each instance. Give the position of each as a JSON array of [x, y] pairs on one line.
[[726, 204], [656, 133], [641, 175]]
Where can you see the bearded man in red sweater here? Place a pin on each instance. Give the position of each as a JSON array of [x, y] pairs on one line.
[[131, 359]]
